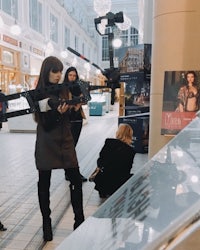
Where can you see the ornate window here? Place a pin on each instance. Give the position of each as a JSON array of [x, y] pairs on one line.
[[10, 7], [35, 15], [133, 36], [76, 43], [53, 28], [129, 38], [66, 37]]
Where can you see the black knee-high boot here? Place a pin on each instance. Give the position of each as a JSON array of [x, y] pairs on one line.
[[44, 202], [77, 204]]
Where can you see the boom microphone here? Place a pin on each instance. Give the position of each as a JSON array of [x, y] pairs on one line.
[[77, 54], [84, 58], [112, 74]]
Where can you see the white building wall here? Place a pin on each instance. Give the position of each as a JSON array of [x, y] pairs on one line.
[[29, 39], [79, 19]]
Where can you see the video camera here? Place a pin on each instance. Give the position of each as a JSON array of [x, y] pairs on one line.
[[112, 74], [80, 92]]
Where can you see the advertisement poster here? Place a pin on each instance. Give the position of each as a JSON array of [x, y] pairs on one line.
[[180, 100], [135, 70]]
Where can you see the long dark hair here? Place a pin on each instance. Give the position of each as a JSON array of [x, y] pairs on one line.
[[50, 63], [192, 73], [66, 79]]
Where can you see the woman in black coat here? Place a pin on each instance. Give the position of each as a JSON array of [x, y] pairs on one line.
[[77, 115], [115, 162], [54, 147]]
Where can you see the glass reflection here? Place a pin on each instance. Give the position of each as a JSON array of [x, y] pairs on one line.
[[151, 207]]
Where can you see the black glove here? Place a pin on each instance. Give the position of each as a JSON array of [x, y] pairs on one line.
[[75, 89], [54, 102]]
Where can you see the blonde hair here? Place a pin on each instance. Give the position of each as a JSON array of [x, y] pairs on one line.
[[125, 133]]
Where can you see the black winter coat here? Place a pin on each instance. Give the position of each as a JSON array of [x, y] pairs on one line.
[[54, 147], [115, 160]]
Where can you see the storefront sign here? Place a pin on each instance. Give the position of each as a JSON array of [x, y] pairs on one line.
[[8, 57], [10, 40], [37, 51]]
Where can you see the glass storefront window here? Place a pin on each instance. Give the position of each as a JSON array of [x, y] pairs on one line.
[[8, 57]]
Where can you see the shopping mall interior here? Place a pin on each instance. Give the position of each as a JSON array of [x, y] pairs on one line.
[[135, 60]]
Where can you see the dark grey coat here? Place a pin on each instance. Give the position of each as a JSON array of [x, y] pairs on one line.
[[54, 147]]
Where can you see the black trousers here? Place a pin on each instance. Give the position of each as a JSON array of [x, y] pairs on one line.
[[76, 127]]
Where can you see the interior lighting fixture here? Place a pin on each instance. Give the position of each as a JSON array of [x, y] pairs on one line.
[[194, 178], [15, 29], [74, 62], [117, 43], [101, 7], [98, 71], [87, 66], [49, 48], [64, 54]]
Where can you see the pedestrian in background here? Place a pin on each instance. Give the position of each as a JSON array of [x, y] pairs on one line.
[[77, 114]]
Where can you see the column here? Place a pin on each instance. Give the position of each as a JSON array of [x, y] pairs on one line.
[[175, 47]]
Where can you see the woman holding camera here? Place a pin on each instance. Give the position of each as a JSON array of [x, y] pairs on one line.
[[54, 147]]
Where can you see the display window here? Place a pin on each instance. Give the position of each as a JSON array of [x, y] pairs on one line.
[[8, 57], [10, 69]]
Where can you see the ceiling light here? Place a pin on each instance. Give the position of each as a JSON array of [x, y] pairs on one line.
[[102, 7], [117, 43], [49, 48], [64, 54], [15, 29]]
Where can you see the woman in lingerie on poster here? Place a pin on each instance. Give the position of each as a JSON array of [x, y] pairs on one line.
[[188, 95]]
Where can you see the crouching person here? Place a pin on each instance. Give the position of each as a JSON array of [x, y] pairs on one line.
[[115, 162]]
